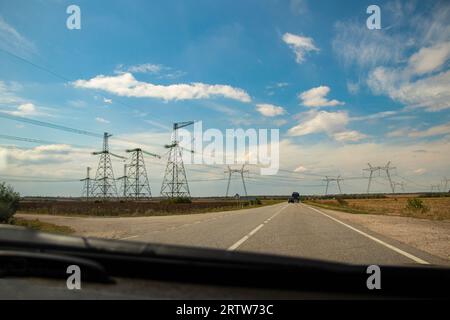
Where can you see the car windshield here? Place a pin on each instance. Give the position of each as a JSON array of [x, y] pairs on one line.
[[309, 129]]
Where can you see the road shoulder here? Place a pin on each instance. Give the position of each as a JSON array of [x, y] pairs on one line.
[[432, 237]]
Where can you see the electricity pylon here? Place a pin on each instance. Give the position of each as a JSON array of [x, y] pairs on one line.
[[87, 184], [105, 185], [435, 187], [328, 179], [137, 179], [175, 183], [241, 171], [124, 179], [378, 169], [399, 184], [445, 182]]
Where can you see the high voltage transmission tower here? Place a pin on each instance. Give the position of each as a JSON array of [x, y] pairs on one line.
[[87, 184], [175, 183], [105, 185], [378, 169], [330, 179], [240, 171], [137, 185], [399, 184], [124, 180], [445, 182], [436, 187]]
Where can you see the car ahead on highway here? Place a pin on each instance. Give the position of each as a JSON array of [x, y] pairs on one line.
[[294, 198], [36, 265]]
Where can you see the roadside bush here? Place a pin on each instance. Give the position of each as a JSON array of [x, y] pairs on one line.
[[416, 204], [9, 202], [177, 200]]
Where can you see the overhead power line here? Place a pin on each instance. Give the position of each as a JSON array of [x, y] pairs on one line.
[[49, 125]]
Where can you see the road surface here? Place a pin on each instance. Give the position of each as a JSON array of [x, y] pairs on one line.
[[284, 229]]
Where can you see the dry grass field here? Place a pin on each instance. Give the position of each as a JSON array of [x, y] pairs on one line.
[[437, 208]]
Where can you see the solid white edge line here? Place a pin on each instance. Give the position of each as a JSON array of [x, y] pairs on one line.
[[400, 251], [130, 237], [251, 233]]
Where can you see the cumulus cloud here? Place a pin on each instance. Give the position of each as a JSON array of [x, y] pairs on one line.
[[321, 121], [300, 45], [334, 124], [126, 85], [270, 110], [26, 109], [316, 97]]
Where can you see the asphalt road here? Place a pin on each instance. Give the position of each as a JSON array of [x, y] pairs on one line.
[[284, 229]]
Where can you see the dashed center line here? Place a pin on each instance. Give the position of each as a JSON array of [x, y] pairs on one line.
[[251, 233]]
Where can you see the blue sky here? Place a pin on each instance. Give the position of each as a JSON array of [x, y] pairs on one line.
[[342, 95]]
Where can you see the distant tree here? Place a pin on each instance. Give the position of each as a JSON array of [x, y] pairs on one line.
[[9, 202]]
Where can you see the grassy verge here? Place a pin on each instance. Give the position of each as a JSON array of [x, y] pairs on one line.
[[339, 208], [151, 213], [38, 225]]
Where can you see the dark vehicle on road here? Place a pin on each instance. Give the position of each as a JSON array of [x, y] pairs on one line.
[[294, 198]]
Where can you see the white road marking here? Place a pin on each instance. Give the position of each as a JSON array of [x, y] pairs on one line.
[[400, 251], [130, 237], [251, 233]]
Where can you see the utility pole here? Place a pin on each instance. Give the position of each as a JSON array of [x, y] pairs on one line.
[[241, 172], [105, 185], [87, 184], [138, 186], [175, 183], [378, 169], [328, 179]]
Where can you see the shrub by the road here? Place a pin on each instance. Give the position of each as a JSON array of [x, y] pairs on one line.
[[416, 204], [9, 201], [177, 200]]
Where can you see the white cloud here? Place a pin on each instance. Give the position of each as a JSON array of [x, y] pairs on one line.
[[300, 45], [26, 109], [431, 93], [321, 121], [438, 130], [430, 59], [354, 44], [126, 85], [101, 120], [145, 68], [351, 135], [334, 124], [375, 116], [270, 110], [108, 101], [300, 169], [420, 171], [316, 97], [8, 93], [12, 40]]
